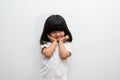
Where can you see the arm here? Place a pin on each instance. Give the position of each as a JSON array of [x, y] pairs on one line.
[[64, 54], [48, 52]]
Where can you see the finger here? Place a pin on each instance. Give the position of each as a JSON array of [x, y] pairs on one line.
[[49, 36], [66, 37]]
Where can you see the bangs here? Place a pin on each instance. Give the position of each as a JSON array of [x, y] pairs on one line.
[[56, 28]]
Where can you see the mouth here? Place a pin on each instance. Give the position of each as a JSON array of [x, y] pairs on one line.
[[58, 37]]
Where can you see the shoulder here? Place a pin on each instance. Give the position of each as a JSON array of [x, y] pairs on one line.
[[68, 43], [46, 44], [68, 46]]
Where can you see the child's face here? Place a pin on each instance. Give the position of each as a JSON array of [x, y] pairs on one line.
[[57, 34]]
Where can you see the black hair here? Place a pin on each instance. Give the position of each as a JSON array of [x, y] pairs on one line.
[[54, 23]]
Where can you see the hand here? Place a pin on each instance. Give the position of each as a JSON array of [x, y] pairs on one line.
[[63, 39], [51, 38]]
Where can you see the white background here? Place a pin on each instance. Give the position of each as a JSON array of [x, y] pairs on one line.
[[94, 24]]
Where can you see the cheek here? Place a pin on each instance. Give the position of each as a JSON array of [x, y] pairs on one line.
[[52, 35], [62, 34]]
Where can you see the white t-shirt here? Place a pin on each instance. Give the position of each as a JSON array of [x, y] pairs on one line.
[[54, 68]]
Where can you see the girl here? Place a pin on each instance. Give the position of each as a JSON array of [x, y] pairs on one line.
[[55, 49]]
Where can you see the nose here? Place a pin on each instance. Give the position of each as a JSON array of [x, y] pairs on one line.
[[57, 34]]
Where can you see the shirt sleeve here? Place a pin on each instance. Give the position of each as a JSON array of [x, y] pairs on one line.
[[44, 45], [68, 46]]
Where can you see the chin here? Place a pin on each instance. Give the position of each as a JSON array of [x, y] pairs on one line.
[[57, 39]]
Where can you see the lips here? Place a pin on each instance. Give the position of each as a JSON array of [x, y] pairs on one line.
[[58, 37]]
